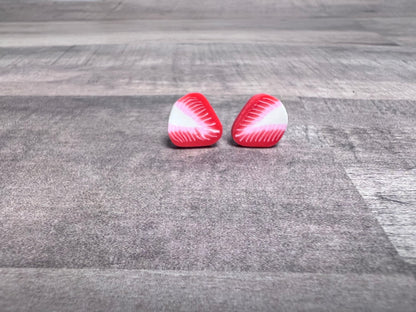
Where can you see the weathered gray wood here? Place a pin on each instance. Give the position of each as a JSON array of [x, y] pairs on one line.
[[391, 194], [52, 10], [131, 290], [375, 142], [157, 68], [88, 177], [75, 170]]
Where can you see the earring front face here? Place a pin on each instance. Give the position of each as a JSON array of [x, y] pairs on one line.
[[261, 123], [193, 122]]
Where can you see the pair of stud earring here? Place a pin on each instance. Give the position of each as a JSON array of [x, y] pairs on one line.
[[194, 123]]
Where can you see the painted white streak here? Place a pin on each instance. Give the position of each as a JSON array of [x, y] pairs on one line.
[[276, 116], [180, 119]]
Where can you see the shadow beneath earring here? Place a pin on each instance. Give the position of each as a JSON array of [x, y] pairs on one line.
[[168, 143], [231, 142]]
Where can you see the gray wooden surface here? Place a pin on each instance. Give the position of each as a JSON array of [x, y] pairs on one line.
[[93, 195]]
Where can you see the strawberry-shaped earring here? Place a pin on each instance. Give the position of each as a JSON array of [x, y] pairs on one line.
[[261, 123], [193, 122]]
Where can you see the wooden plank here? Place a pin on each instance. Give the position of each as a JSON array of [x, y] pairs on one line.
[[157, 68], [391, 195]]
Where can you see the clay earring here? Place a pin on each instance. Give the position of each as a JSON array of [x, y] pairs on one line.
[[193, 122], [261, 123]]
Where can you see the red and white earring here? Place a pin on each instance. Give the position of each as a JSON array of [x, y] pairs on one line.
[[261, 123], [193, 122]]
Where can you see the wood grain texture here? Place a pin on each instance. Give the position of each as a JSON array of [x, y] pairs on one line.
[[89, 180], [132, 290], [391, 194], [375, 142], [155, 68], [76, 168]]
